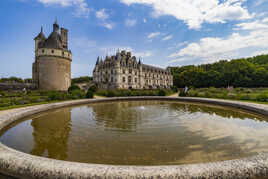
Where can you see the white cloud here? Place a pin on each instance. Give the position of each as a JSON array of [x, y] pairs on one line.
[[145, 20], [130, 22], [101, 14], [143, 54], [262, 52], [109, 26], [81, 7], [259, 2], [195, 12], [265, 20], [153, 35], [211, 49], [252, 25], [112, 50], [167, 37]]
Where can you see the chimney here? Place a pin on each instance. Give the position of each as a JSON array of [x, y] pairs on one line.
[[64, 38]]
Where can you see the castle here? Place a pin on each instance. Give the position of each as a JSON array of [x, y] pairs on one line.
[[123, 71], [52, 67]]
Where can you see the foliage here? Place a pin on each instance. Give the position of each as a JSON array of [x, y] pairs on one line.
[[72, 88], [182, 93], [82, 79], [133, 92], [93, 88], [250, 72], [161, 92], [89, 94], [253, 94], [11, 80]]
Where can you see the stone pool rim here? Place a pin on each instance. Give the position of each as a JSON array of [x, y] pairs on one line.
[[21, 165]]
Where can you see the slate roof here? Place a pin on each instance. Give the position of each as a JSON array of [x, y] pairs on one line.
[[53, 41]]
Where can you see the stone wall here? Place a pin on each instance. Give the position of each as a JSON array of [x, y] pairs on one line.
[[17, 86], [53, 73], [21, 165]]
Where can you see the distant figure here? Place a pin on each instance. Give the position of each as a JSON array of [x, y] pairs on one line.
[[24, 90], [186, 89]]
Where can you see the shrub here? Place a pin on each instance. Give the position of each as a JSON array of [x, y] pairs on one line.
[[231, 96], [174, 89], [161, 92], [73, 88], [193, 93], [89, 94], [208, 94], [111, 93], [262, 97], [77, 94], [182, 93], [93, 88], [55, 96], [244, 97]]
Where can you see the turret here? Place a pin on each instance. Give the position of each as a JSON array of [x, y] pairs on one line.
[[56, 26], [98, 61], [39, 38], [64, 38]]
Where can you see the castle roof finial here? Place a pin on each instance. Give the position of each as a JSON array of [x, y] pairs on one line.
[[41, 29], [139, 60], [56, 20]]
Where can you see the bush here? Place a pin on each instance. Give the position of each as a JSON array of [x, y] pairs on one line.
[[89, 94], [244, 97], [208, 94], [262, 97], [73, 88], [111, 93], [182, 93], [161, 92], [193, 93], [53, 96], [174, 89], [77, 94], [93, 88]]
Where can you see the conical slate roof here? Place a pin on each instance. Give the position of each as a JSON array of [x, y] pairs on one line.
[[53, 41], [41, 35]]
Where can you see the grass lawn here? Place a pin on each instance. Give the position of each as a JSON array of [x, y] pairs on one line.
[[256, 95]]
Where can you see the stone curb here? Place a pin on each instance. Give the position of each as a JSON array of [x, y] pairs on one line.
[[21, 165]]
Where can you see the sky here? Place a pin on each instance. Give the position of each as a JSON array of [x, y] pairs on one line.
[[160, 32]]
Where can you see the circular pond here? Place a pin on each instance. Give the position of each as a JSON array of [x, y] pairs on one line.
[[140, 133]]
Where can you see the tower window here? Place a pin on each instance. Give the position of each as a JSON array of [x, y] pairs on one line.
[[124, 79], [62, 53], [52, 51], [43, 51]]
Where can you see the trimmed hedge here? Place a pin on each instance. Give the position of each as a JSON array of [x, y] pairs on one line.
[[125, 93]]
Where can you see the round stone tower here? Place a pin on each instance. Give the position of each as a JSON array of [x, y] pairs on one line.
[[52, 66]]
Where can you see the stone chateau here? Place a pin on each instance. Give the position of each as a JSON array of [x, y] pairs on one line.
[[52, 66], [123, 71]]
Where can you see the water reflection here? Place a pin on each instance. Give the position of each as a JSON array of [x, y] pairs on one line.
[[141, 133], [51, 135]]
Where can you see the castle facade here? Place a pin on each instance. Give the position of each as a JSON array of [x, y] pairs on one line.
[[123, 71], [51, 69]]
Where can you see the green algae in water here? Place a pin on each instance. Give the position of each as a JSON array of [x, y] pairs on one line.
[[140, 133]]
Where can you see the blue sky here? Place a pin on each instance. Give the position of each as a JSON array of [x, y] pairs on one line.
[[161, 32]]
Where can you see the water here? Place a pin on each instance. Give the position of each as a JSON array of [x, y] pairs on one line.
[[140, 133]]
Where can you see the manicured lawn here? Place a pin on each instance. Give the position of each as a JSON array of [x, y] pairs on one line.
[[257, 95]]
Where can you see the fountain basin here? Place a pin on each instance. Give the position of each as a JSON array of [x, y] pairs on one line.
[[19, 164]]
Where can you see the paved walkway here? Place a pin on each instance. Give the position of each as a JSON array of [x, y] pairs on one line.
[[174, 95], [98, 97]]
